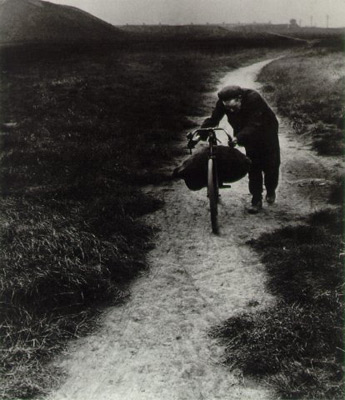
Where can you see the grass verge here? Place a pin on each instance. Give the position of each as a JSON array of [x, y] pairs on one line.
[[308, 89], [296, 346]]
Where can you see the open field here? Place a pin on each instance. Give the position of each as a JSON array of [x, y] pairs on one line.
[[236, 35], [81, 133]]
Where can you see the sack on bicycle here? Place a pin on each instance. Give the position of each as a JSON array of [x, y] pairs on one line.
[[232, 166]]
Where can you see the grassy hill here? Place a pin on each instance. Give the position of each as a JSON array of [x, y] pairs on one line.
[[40, 21]]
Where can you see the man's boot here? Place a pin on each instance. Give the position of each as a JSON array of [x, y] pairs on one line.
[[271, 197], [255, 207]]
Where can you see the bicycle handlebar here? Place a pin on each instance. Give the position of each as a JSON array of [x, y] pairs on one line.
[[191, 135], [209, 129]]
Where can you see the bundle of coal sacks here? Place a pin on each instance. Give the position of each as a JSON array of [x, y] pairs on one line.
[[232, 165]]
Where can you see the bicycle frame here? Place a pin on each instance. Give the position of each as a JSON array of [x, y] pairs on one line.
[[213, 181], [212, 173]]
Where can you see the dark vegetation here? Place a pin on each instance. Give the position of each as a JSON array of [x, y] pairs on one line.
[[80, 133], [296, 346]]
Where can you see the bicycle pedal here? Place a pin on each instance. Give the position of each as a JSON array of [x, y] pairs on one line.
[[225, 186]]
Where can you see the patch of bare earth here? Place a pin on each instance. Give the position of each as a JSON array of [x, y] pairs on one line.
[[156, 346]]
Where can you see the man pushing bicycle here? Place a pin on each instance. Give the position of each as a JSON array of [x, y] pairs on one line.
[[256, 128]]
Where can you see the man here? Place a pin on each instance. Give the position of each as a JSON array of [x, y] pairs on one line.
[[256, 128]]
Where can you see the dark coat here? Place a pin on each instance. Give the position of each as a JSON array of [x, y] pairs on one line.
[[255, 125]]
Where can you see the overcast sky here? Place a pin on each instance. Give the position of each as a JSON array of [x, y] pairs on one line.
[[306, 12]]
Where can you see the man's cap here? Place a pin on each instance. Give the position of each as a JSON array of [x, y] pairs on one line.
[[229, 92]]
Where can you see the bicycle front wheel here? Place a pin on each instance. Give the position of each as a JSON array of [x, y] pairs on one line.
[[212, 191]]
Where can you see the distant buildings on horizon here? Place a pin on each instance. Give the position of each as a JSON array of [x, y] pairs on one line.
[[292, 24]]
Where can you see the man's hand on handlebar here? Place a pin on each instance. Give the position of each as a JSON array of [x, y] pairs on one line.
[[193, 140], [232, 143], [204, 134], [192, 143]]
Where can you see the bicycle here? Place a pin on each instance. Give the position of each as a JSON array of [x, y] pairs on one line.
[[213, 184]]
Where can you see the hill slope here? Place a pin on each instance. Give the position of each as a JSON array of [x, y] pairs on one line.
[[41, 21]]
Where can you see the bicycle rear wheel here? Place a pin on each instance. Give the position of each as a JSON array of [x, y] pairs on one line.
[[213, 193]]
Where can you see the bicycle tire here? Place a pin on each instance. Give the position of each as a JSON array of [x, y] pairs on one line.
[[212, 191]]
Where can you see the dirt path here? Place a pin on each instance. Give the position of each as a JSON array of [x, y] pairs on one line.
[[156, 345]]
